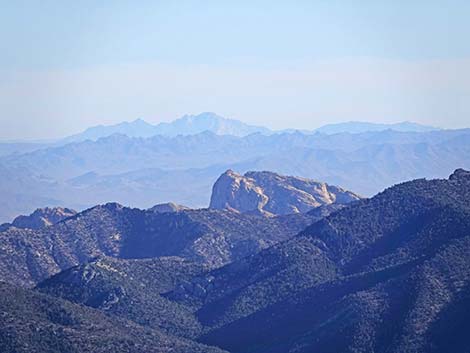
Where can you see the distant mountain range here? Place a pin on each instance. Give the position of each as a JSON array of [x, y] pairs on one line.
[[187, 125], [141, 172], [356, 127], [195, 124]]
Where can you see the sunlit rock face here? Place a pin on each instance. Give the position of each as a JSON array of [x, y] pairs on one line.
[[43, 217], [271, 194]]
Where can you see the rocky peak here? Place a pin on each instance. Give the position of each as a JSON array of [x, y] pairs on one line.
[[460, 174], [270, 193], [168, 207], [43, 217], [237, 193]]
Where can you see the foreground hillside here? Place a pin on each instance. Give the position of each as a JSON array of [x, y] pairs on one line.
[[389, 274], [385, 274], [34, 322], [131, 289]]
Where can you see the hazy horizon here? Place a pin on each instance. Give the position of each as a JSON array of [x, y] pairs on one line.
[[69, 66], [154, 123]]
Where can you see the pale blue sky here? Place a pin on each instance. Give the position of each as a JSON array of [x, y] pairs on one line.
[[66, 65]]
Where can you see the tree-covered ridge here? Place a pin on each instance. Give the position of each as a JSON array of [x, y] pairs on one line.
[[35, 322], [380, 275], [131, 289], [386, 274], [211, 237]]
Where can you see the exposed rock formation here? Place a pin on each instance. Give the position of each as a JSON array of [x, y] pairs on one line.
[[386, 274], [274, 194], [41, 218], [168, 207], [389, 274]]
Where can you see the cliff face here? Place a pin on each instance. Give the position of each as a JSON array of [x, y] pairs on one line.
[[273, 194], [238, 193]]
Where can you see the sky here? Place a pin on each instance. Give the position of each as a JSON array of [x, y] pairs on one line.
[[67, 65]]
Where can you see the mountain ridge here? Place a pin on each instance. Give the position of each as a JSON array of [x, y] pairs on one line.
[[40, 218], [387, 274], [365, 268], [141, 172], [211, 237], [354, 127], [186, 125], [208, 121]]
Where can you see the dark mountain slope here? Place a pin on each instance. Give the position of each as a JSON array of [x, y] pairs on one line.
[[33, 322], [375, 275], [211, 236], [245, 287], [208, 236], [130, 289], [398, 309]]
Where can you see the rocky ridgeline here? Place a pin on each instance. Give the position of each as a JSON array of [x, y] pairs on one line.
[[271, 194], [41, 218]]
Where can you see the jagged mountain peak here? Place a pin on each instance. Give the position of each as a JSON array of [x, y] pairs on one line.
[[186, 125], [271, 194], [41, 218]]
